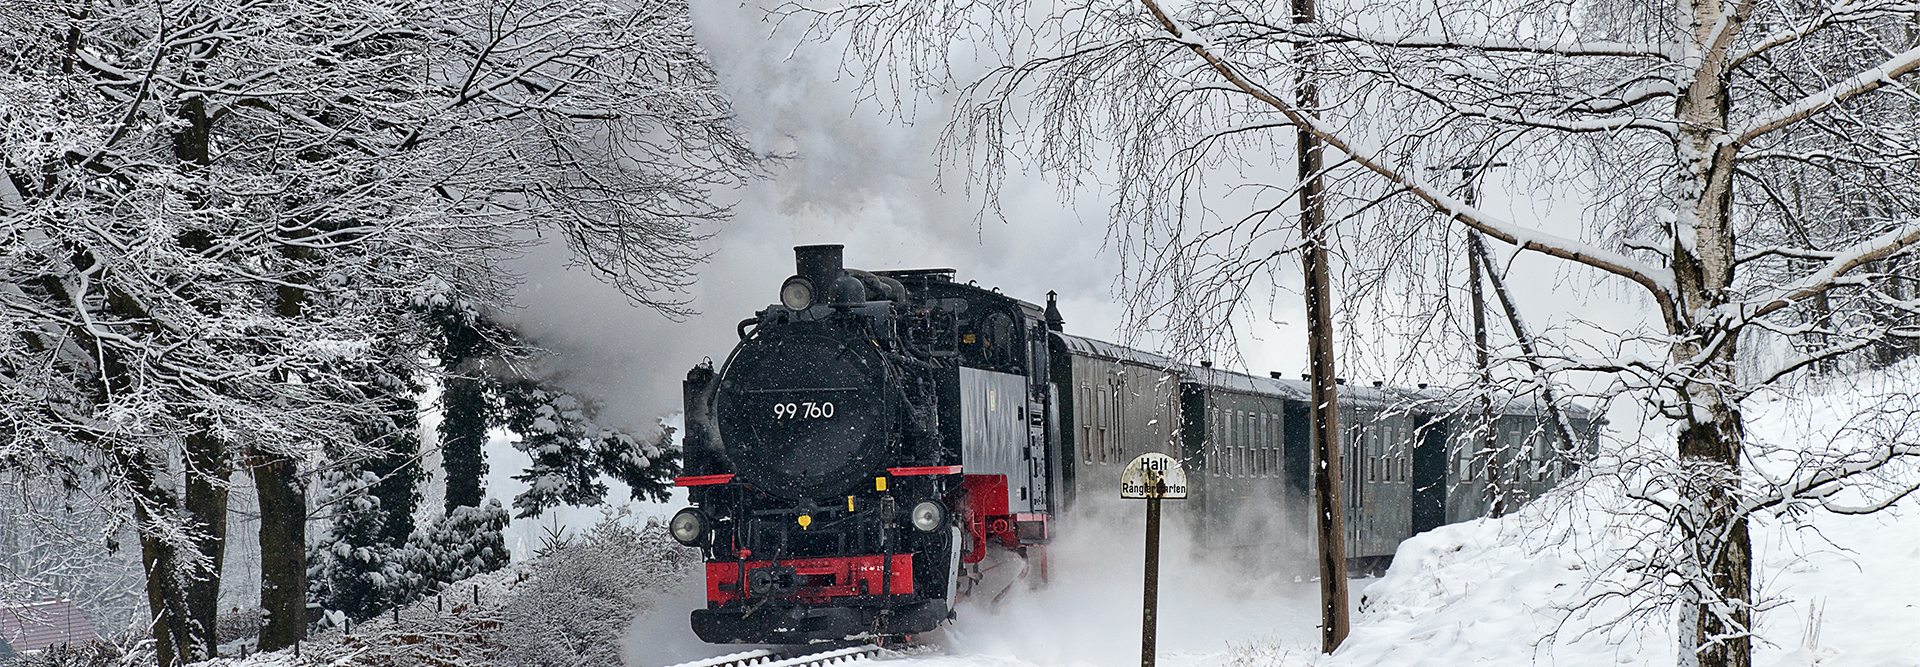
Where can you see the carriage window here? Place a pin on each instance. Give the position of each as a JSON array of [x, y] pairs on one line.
[[1086, 422], [1211, 444], [1236, 443], [1266, 444], [1236, 465], [1226, 442], [1252, 444], [1403, 467], [1101, 416], [1113, 417]]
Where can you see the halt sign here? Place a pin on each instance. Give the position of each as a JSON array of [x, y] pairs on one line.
[[1154, 475]]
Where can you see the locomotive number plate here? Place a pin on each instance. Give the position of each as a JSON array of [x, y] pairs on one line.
[[803, 410]]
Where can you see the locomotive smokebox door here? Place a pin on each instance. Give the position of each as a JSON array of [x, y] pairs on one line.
[[804, 413]]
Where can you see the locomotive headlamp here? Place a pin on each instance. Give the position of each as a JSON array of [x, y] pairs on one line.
[[926, 516], [689, 527], [796, 293]]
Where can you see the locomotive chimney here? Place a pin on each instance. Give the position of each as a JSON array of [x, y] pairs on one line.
[[1054, 321], [820, 265]]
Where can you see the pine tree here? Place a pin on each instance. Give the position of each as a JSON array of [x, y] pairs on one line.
[[570, 451]]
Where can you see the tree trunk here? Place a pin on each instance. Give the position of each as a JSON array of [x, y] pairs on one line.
[[166, 601], [463, 432], [1715, 631], [1325, 410], [154, 502], [1716, 623], [207, 476], [283, 551]]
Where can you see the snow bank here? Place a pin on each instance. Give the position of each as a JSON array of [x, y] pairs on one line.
[[1546, 585]]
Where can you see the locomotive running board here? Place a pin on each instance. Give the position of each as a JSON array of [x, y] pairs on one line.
[[773, 658]]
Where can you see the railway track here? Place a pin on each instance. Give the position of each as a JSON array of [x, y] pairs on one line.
[[788, 658]]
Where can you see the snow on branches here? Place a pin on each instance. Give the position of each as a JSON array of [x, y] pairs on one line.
[[216, 214]]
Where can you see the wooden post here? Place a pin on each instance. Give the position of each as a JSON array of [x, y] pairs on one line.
[[1151, 601], [1489, 467], [1151, 477], [1330, 515], [1498, 492]]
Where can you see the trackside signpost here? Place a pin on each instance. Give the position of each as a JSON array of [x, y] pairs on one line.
[[1152, 476]]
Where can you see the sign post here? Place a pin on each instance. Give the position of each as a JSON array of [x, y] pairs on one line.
[[1152, 476]]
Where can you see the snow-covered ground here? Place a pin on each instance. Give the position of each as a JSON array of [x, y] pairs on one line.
[[1845, 590]]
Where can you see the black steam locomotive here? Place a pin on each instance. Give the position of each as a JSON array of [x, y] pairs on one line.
[[874, 436]]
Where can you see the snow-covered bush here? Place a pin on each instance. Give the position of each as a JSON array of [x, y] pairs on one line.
[[584, 595], [465, 542], [364, 581], [99, 653]]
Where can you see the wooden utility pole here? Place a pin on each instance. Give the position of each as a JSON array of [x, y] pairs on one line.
[[1490, 466], [1325, 409], [1498, 496]]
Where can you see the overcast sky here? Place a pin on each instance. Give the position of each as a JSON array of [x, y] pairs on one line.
[[856, 179]]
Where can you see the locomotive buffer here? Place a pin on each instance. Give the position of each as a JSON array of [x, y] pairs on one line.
[[1152, 476]]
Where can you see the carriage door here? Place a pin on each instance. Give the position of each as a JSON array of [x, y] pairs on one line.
[[1039, 478]]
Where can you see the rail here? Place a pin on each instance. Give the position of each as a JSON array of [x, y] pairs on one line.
[[773, 658]]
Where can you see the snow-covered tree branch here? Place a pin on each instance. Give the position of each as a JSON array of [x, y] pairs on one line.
[[216, 211]]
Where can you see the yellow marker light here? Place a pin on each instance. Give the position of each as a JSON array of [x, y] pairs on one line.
[[879, 483], [805, 521], [849, 503]]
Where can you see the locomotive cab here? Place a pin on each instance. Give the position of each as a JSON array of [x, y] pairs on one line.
[[832, 460]]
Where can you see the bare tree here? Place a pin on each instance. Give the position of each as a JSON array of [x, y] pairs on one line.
[[213, 207], [1751, 164], [62, 538]]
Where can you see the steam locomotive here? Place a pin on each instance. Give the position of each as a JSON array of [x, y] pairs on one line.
[[875, 436]]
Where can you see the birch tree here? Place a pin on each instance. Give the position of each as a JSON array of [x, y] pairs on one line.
[[1750, 163], [214, 207]]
